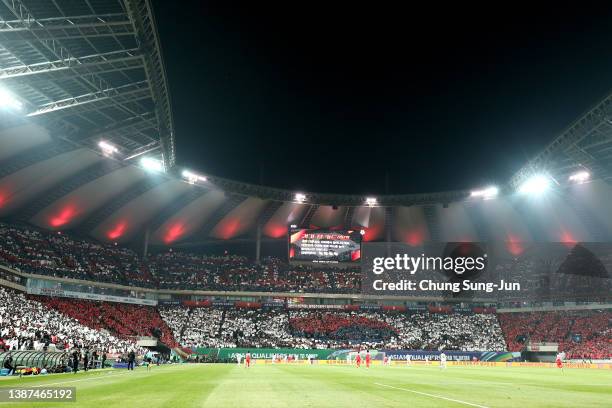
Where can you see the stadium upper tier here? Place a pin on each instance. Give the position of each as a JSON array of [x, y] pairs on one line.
[[54, 185], [39, 252]]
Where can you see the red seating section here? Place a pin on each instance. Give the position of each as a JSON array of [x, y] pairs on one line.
[[595, 328]]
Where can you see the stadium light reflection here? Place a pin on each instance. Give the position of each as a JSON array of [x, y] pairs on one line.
[[486, 193], [300, 198], [192, 178], [107, 148], [535, 185], [580, 177], [371, 201], [7, 100], [150, 164]]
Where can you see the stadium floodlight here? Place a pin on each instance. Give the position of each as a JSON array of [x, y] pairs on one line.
[[300, 197], [371, 201], [191, 177], [150, 164], [536, 185], [107, 148], [8, 101], [485, 193], [580, 177]]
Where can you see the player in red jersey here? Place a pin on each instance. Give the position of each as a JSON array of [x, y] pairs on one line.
[[358, 360], [559, 360], [368, 359], [247, 359]]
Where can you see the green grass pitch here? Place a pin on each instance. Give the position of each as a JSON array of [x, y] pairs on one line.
[[318, 386]]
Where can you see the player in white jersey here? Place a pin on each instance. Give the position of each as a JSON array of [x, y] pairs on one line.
[[442, 360], [408, 359], [238, 358]]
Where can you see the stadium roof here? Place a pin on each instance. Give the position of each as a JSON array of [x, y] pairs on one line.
[[90, 70], [585, 145], [55, 185], [87, 69]]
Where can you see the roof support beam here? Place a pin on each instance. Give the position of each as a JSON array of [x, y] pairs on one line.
[[97, 96], [146, 34], [97, 83], [567, 142], [148, 117], [30, 37], [26, 22], [114, 57]]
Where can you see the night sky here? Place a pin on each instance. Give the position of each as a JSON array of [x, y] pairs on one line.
[[313, 98]]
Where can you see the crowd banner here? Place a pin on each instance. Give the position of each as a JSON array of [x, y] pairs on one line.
[[169, 302], [89, 296], [314, 306], [223, 303]]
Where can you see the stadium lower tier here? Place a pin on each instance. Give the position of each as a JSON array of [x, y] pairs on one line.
[[28, 322]]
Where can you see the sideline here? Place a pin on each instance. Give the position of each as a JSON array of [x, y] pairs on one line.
[[101, 375]]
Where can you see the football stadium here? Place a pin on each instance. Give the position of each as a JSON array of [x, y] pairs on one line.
[[129, 278]]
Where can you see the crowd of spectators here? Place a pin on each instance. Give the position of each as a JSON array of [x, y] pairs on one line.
[[123, 320], [430, 331], [341, 327], [193, 327], [40, 252], [278, 327], [179, 270], [211, 327], [580, 334], [26, 324], [49, 323], [579, 274]]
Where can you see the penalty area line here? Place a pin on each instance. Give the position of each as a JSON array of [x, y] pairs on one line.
[[432, 395]]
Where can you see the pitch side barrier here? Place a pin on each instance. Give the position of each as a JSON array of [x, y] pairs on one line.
[[404, 363], [232, 354]]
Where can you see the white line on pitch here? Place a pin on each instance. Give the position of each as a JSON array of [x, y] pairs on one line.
[[433, 396], [97, 377], [100, 376]]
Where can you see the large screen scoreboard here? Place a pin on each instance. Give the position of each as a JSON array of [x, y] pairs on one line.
[[322, 246]]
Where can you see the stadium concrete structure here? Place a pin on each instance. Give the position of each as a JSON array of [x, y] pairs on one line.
[[87, 146], [87, 150]]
